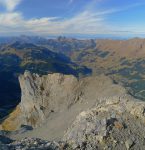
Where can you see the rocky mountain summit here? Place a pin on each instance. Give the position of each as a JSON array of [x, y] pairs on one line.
[[89, 113], [52, 94], [116, 124], [18, 56]]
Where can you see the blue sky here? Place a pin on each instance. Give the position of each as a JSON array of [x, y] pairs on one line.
[[57, 17]]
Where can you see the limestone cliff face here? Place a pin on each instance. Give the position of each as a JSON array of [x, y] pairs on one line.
[[56, 93], [44, 95]]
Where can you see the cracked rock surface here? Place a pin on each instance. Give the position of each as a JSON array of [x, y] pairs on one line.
[[86, 114], [118, 125]]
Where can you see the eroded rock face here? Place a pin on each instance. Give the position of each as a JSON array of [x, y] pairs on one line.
[[31, 144], [58, 93], [90, 113], [44, 95], [116, 123]]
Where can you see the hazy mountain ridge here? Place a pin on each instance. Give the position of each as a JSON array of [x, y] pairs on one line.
[[22, 38], [59, 44]]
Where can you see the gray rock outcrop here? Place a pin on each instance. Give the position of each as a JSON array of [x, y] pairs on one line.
[[116, 123], [90, 113], [42, 96]]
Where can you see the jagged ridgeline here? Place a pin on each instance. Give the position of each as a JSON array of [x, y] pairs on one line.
[[17, 57]]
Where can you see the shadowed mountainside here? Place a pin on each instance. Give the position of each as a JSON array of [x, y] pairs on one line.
[[20, 56]]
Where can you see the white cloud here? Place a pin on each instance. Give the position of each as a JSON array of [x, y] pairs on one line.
[[10, 4], [86, 22], [83, 23], [10, 19]]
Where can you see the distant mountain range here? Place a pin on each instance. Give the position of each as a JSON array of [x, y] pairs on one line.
[[19, 56], [22, 38], [37, 39], [122, 60]]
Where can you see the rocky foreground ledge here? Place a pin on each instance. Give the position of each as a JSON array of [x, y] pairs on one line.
[[30, 144], [88, 114]]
